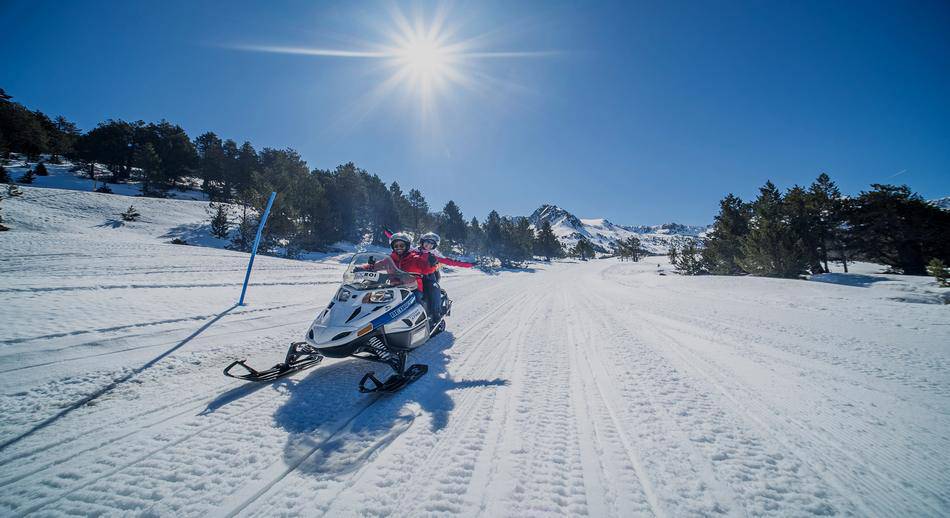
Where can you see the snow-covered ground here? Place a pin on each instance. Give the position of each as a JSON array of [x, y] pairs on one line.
[[62, 176], [599, 388]]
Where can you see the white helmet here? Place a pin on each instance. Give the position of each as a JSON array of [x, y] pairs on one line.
[[400, 236], [431, 237]]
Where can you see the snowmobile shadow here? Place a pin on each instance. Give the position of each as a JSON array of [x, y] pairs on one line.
[[334, 429], [233, 395]]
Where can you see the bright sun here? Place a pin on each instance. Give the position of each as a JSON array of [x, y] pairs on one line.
[[424, 58]]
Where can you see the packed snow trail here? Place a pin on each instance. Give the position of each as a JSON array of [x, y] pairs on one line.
[[599, 389]]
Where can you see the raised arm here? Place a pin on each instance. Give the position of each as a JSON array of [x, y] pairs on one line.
[[453, 262]]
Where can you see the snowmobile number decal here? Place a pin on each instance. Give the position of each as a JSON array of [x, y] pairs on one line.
[[372, 276]]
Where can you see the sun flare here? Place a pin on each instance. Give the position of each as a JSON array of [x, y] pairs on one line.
[[425, 61]]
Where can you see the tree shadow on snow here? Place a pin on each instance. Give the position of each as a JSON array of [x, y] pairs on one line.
[[111, 223], [847, 279], [195, 234], [334, 429]]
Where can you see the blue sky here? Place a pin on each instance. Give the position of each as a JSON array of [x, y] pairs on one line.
[[641, 112]]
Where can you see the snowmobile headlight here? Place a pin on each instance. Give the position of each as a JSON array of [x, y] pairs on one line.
[[378, 297], [343, 296]]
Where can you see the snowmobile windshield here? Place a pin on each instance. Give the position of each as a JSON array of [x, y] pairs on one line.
[[373, 271]]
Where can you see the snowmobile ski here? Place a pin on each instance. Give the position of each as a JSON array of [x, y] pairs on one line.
[[395, 382], [300, 356]]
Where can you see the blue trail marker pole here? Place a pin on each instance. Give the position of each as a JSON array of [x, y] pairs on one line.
[[257, 241]]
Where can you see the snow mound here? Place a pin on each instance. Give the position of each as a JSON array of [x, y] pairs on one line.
[[900, 288]]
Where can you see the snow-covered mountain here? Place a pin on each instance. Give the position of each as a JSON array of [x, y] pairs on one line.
[[604, 234], [943, 203]]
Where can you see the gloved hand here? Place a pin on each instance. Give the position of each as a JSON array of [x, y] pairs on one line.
[[433, 260], [372, 261]]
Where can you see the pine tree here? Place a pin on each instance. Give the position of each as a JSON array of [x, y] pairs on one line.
[[5, 176], [939, 271], [493, 241], [63, 138], [401, 206], [148, 161], [583, 250], [23, 130], [547, 244], [243, 239], [131, 214], [41, 170], [112, 143], [686, 258], [629, 248], [380, 213], [520, 240], [474, 238], [420, 212], [211, 165], [802, 220], [346, 188], [771, 248], [452, 224], [722, 251], [229, 168], [219, 220], [894, 226], [825, 200], [27, 177], [243, 171]]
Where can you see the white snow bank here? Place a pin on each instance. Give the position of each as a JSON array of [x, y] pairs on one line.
[[901, 288], [61, 177]]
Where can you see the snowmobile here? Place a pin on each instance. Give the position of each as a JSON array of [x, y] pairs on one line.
[[376, 315]]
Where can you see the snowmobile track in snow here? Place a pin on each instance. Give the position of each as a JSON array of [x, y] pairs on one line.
[[870, 480], [272, 481]]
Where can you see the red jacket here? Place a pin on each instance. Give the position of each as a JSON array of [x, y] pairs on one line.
[[413, 262]]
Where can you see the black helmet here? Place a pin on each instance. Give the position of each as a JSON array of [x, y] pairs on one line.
[[400, 236]]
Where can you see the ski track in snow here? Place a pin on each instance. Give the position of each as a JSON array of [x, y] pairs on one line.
[[588, 389]]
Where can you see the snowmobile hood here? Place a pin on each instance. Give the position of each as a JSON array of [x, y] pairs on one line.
[[353, 313]]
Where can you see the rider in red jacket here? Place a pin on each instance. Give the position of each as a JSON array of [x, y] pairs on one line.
[[411, 261]]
